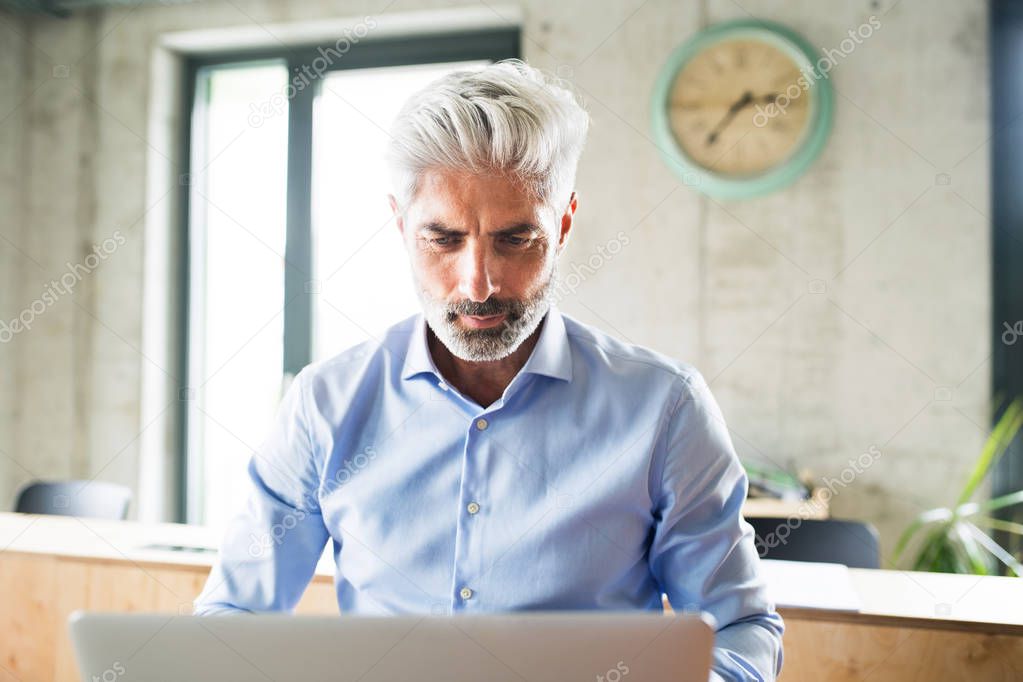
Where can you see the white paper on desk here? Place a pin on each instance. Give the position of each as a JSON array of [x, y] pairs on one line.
[[810, 585]]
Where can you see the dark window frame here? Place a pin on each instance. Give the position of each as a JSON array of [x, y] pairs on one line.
[[455, 46], [1006, 63]]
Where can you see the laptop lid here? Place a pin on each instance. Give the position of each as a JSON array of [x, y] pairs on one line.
[[532, 646]]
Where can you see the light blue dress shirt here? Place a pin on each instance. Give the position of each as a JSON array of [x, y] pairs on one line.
[[603, 477]]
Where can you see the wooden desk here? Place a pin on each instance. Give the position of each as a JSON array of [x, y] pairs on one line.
[[912, 626], [919, 626], [53, 565]]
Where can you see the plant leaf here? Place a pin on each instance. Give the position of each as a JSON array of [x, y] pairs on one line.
[[951, 543], [997, 550], [927, 518], [971, 551], [1001, 437], [1006, 500], [931, 551], [999, 524]]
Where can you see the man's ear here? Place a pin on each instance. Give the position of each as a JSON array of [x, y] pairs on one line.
[[398, 217], [567, 219]]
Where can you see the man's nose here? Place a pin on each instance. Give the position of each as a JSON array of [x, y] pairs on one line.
[[476, 273]]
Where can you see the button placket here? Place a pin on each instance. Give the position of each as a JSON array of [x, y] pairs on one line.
[[468, 559]]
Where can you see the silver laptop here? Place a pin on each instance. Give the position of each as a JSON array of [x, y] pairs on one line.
[[533, 647]]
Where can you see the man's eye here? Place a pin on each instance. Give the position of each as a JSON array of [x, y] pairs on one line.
[[441, 241], [516, 241]]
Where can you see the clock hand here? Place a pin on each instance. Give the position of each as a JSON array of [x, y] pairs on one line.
[[739, 105]]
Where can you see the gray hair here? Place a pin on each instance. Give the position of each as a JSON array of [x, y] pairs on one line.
[[507, 117]]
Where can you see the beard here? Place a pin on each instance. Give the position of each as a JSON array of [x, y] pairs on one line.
[[522, 317]]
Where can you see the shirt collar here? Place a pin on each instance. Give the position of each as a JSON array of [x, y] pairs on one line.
[[551, 355]]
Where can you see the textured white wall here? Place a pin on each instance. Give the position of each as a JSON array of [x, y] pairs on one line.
[[11, 76], [810, 378]]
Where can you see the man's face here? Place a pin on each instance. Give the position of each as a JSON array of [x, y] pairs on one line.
[[484, 258]]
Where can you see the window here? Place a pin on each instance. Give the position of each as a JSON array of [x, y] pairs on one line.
[[355, 241], [292, 252], [1006, 23]]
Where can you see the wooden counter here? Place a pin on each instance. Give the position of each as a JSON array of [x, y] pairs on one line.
[[52, 565], [910, 626]]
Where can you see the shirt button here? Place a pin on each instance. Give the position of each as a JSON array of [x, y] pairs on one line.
[[442, 386], [481, 424], [465, 593], [472, 507]]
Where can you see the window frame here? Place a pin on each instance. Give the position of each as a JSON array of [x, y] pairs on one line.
[[450, 46], [1006, 144]]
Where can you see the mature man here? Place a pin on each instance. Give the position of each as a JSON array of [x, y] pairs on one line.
[[491, 453]]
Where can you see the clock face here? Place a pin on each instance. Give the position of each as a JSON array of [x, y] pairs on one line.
[[731, 109]]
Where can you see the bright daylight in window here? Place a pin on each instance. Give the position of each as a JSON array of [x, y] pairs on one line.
[[361, 280]]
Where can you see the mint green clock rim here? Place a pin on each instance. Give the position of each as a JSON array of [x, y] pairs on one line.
[[721, 186]]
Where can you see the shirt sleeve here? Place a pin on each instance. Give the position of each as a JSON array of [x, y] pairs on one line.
[[271, 547], [703, 553]]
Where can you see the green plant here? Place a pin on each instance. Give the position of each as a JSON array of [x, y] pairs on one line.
[[953, 537]]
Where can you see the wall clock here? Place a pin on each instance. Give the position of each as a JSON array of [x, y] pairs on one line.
[[742, 108]]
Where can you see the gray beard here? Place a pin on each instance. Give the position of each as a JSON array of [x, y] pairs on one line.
[[495, 343]]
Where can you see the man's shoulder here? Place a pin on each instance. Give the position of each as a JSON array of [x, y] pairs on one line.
[[607, 354]]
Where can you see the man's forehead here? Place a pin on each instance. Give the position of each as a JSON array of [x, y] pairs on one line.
[[461, 189], [463, 205]]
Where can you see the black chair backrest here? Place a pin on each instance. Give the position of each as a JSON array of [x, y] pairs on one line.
[[96, 499], [852, 543]]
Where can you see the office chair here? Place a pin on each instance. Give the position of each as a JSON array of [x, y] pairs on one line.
[[96, 499], [852, 543]]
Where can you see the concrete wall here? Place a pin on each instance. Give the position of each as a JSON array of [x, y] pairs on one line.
[[12, 59], [847, 312]]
